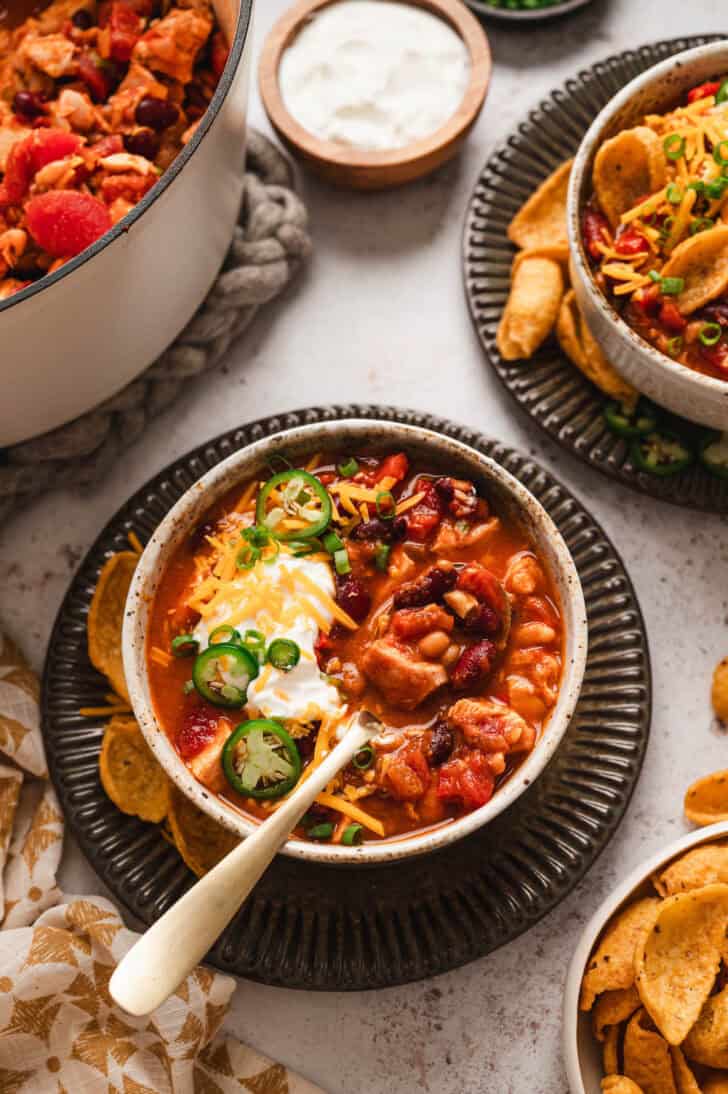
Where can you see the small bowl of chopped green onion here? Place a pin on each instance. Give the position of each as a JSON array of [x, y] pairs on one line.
[[514, 10]]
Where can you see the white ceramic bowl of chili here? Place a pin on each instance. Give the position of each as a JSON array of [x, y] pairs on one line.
[[682, 390], [506, 494]]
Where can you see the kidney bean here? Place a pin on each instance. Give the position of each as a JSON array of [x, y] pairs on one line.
[[594, 230], [473, 665], [427, 589], [716, 313], [387, 531], [142, 142], [157, 114], [82, 19], [483, 620], [440, 745], [28, 104], [353, 597]]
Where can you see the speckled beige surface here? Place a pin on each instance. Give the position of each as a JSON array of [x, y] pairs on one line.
[[381, 316]]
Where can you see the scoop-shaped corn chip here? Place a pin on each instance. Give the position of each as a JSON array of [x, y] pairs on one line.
[[719, 690], [626, 168], [106, 617], [537, 286], [200, 841], [130, 775], [610, 1050], [677, 960], [647, 1060], [577, 342], [612, 965], [707, 1041], [696, 868], [620, 1084], [702, 263], [715, 1084], [541, 222], [706, 800], [685, 1081], [614, 1007], [559, 252]]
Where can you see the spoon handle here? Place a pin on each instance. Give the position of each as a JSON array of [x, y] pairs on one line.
[[158, 963]]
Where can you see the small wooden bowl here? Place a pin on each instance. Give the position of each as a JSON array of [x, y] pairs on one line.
[[357, 168]]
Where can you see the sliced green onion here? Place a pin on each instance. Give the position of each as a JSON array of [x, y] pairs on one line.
[[710, 334], [348, 468], [352, 835], [254, 641], [701, 224], [381, 557], [672, 286], [185, 645], [698, 186], [386, 498], [674, 194], [332, 543], [720, 153], [224, 633], [188, 686], [716, 188], [321, 831], [247, 556], [675, 345], [654, 276], [302, 547], [667, 226], [674, 146], [364, 758], [722, 93], [284, 654], [341, 562]]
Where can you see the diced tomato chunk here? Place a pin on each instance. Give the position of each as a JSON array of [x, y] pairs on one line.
[[594, 230], [219, 54], [393, 467], [27, 156], [648, 300], [197, 730], [671, 318], [631, 242], [467, 779], [717, 356], [408, 775], [65, 222], [94, 77], [703, 90], [126, 29]]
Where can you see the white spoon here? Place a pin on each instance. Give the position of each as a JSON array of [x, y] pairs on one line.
[[158, 963]]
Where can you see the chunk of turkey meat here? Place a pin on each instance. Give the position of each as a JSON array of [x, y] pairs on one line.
[[403, 680], [491, 726]]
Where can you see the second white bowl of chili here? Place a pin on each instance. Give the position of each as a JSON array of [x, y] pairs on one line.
[[362, 564]]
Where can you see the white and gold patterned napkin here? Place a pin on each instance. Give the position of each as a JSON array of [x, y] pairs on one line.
[[60, 1031]]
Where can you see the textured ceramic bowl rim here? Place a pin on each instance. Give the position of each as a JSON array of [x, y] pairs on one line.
[[238, 466], [651, 357], [413, 156], [573, 1018], [127, 222]]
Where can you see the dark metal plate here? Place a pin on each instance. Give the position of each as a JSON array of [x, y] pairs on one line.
[[549, 388], [337, 928]]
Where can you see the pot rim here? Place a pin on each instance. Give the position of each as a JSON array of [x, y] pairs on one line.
[[215, 482], [634, 880], [574, 205], [127, 222]]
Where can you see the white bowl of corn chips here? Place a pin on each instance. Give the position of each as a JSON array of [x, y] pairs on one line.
[[646, 1000], [656, 372]]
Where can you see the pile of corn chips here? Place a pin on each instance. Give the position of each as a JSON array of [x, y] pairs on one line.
[[541, 299], [656, 985], [130, 774]]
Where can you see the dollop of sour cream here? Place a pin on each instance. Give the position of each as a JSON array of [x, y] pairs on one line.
[[374, 74], [283, 606]]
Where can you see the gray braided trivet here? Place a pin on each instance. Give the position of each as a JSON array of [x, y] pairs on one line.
[[269, 245]]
